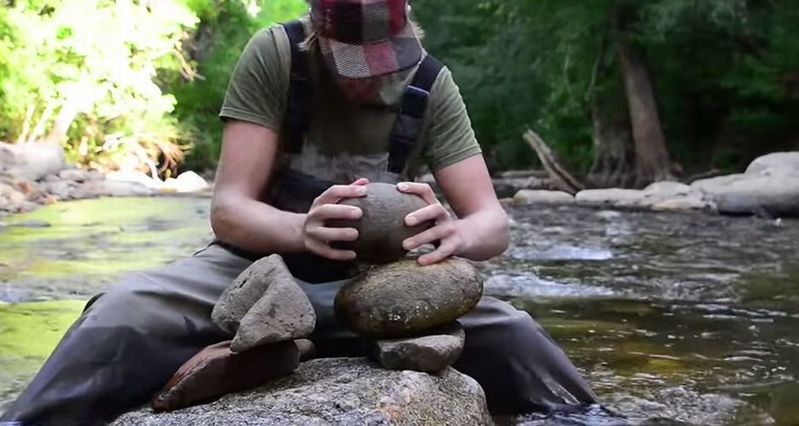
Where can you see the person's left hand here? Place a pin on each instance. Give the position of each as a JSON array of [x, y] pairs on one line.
[[445, 234]]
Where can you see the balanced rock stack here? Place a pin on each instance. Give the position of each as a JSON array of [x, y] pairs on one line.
[[408, 312], [269, 315]]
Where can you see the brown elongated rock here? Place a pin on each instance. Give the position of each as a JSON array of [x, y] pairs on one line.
[[246, 290], [404, 299], [282, 313], [430, 354], [381, 229], [216, 371]]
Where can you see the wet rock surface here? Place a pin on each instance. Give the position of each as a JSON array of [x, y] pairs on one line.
[[431, 353], [339, 391], [382, 229], [404, 299]]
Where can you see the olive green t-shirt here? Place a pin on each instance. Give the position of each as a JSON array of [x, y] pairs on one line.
[[345, 140]]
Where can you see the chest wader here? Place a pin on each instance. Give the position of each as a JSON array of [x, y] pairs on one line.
[[130, 340]]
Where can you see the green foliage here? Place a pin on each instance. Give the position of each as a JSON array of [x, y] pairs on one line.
[[124, 82], [725, 71], [222, 35]]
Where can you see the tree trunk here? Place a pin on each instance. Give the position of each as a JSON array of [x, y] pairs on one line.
[[651, 155], [612, 166]]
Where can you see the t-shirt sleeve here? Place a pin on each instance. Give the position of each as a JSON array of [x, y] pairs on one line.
[[450, 137], [258, 87]]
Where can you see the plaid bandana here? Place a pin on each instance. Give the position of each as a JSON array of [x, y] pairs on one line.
[[365, 38]]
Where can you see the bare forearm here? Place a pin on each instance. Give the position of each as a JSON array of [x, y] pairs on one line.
[[486, 234], [255, 226]]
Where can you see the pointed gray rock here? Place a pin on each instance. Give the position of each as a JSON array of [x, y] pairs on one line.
[[429, 354], [247, 289], [282, 313]]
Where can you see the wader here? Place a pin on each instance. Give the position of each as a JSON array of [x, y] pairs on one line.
[[131, 339]]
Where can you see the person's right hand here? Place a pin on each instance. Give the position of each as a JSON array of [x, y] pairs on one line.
[[316, 236]]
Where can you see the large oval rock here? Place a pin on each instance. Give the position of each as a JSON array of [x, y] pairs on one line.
[[382, 229], [404, 299]]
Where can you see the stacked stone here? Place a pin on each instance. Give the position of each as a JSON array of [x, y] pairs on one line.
[[269, 316], [408, 312]]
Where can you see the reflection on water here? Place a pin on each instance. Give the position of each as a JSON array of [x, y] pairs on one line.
[[673, 317]]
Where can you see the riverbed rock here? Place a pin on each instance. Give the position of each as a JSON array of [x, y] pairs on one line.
[[31, 161], [769, 187], [659, 196], [431, 353], [248, 287], [282, 313], [775, 164], [216, 371], [111, 188], [339, 391], [528, 196], [404, 299], [382, 229]]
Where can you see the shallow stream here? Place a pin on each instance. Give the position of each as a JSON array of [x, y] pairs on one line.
[[673, 317]]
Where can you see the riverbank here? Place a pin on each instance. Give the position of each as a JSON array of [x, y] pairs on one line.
[[769, 187]]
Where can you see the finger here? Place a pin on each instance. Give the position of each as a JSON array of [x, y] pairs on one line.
[[421, 189], [429, 236], [444, 251], [326, 251], [336, 193], [322, 233], [435, 212], [361, 181], [327, 212]]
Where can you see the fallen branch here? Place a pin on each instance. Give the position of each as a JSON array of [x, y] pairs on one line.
[[561, 178]]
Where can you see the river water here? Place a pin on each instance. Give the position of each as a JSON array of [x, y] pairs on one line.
[[673, 318]]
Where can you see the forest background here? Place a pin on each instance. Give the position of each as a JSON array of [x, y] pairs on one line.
[[624, 91]]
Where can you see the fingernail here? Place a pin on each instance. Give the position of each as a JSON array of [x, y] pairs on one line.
[[355, 214], [407, 244], [411, 220], [402, 186]]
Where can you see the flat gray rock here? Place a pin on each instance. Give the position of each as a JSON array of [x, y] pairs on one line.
[[282, 313], [339, 391], [430, 354]]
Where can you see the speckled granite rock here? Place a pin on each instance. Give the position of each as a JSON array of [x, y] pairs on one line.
[[339, 391], [403, 299]]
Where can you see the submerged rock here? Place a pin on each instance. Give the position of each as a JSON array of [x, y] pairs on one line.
[[382, 229], [431, 353], [216, 371], [404, 299], [339, 391]]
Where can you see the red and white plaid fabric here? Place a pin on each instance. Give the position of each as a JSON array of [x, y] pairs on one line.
[[365, 38]]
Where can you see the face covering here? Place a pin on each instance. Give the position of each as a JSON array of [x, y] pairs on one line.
[[384, 90]]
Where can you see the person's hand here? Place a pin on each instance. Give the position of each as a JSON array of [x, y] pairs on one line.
[[445, 233], [316, 236]]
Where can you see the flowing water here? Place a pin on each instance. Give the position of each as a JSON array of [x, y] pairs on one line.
[[673, 318]]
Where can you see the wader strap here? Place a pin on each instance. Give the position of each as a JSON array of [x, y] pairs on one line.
[[408, 126], [298, 114]]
